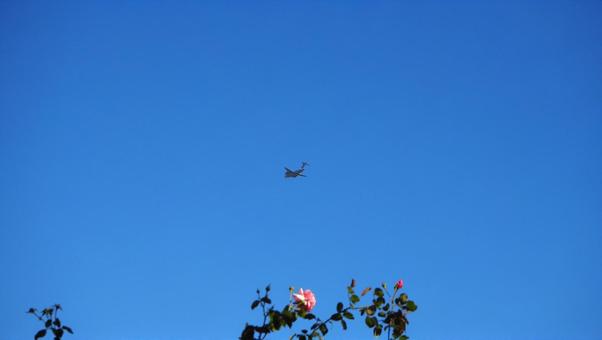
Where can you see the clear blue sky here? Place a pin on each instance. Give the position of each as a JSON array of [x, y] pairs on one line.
[[458, 147]]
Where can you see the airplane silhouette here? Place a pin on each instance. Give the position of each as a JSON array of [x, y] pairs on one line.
[[299, 172]]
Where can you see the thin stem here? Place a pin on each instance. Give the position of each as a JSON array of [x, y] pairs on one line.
[[265, 317]]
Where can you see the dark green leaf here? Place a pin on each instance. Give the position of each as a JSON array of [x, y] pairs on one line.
[[348, 315], [323, 329], [344, 324], [247, 334], [58, 332], [339, 307], [48, 323], [57, 322], [255, 304], [336, 316], [68, 329], [377, 330], [411, 306], [40, 334], [370, 321], [354, 299]]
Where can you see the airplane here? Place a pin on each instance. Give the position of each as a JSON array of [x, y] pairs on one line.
[[296, 173]]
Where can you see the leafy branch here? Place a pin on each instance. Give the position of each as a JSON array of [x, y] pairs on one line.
[[49, 317], [379, 315]]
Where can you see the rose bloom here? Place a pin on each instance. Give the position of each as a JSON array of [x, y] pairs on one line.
[[399, 284], [306, 299]]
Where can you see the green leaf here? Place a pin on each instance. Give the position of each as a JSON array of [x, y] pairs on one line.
[[247, 334], [40, 334], [379, 292], [48, 323], [68, 329], [339, 307], [344, 324], [57, 322], [348, 315], [411, 306], [58, 333], [336, 316], [370, 321], [377, 330], [354, 299], [323, 329], [255, 304]]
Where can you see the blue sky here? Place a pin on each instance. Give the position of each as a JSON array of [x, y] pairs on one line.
[[456, 146]]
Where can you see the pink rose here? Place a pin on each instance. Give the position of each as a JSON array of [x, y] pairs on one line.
[[399, 284], [306, 299]]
